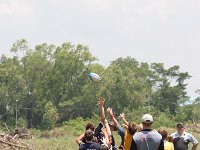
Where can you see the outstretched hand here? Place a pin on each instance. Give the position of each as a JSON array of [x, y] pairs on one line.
[[101, 101], [109, 110], [122, 116]]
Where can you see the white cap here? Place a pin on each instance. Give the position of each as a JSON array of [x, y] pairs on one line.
[[147, 118]]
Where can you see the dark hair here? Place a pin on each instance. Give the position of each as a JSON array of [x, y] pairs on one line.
[[132, 128], [89, 125], [164, 133], [88, 135]]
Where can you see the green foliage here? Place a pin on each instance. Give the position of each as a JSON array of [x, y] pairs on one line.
[[196, 113], [35, 132], [60, 74], [164, 120], [77, 125], [169, 87], [21, 123], [50, 116]]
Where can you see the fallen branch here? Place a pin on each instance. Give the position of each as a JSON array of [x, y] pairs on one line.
[[13, 144]]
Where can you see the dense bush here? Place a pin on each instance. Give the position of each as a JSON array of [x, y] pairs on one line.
[[50, 116]]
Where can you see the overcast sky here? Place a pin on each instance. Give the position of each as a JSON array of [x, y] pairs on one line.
[[165, 31]]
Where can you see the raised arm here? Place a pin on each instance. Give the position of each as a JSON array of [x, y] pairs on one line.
[[122, 117], [112, 117], [106, 125], [105, 139], [101, 102]]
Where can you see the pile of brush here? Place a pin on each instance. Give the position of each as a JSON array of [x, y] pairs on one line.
[[14, 141]]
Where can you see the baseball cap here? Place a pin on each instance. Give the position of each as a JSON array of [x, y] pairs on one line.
[[179, 125], [147, 118]]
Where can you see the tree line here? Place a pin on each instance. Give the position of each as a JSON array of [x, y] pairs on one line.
[[49, 84]]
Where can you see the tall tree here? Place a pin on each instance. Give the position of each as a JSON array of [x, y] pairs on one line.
[[169, 87]]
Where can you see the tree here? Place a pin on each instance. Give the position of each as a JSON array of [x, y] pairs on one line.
[[50, 116], [126, 84], [169, 87]]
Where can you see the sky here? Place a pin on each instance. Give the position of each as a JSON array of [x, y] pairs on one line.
[[162, 31]]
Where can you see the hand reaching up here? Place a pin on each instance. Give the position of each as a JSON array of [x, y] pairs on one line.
[[122, 116], [101, 101]]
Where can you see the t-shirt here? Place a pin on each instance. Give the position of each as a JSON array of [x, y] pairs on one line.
[[127, 140], [147, 139], [89, 146], [181, 141], [168, 145]]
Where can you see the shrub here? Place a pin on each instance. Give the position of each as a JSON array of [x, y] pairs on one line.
[[21, 123], [50, 116], [163, 120]]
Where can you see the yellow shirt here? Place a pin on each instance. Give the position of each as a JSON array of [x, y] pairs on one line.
[[168, 146], [127, 140]]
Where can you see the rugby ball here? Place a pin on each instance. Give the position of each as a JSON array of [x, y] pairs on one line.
[[94, 77]]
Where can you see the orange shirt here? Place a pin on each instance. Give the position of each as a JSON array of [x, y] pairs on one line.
[[127, 140]]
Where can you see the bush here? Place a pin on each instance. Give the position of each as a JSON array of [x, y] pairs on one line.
[[21, 123], [35, 132], [163, 120], [50, 116]]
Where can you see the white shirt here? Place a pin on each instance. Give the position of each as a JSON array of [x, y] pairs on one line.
[[185, 136]]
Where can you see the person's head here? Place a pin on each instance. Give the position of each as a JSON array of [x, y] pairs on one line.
[[132, 128], [169, 138], [147, 120], [88, 135], [90, 125], [180, 128], [164, 133]]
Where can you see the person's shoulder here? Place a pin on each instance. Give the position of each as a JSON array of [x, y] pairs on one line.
[[94, 144], [188, 134], [81, 146], [155, 132]]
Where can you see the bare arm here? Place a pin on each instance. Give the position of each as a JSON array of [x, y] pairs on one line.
[[112, 117], [101, 102], [122, 117], [103, 117], [79, 139], [105, 139], [194, 146], [107, 128]]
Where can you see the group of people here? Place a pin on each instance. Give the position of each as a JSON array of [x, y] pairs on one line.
[[133, 136]]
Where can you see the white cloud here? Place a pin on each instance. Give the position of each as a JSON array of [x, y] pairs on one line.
[[16, 9]]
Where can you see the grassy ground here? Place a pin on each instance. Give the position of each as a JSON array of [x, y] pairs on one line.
[[68, 142], [60, 143]]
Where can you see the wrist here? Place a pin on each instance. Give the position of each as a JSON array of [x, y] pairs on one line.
[[112, 115]]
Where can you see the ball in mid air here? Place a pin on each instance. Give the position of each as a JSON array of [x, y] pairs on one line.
[[94, 77]]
